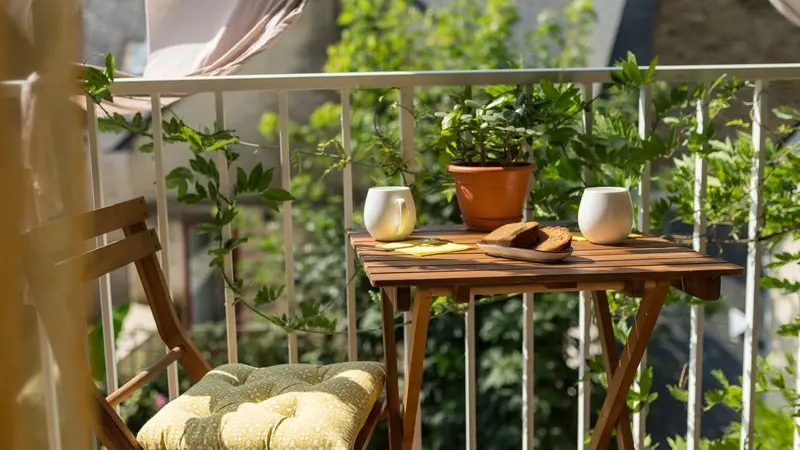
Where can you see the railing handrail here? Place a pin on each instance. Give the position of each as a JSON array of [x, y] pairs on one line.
[[353, 80]]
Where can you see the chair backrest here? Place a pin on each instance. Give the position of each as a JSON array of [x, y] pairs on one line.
[[57, 255]]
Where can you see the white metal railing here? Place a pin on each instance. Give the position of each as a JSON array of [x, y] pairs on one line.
[[406, 82]]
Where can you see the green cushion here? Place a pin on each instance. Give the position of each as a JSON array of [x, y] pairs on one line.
[[293, 406]]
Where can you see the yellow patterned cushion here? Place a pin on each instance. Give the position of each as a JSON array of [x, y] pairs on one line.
[[292, 406]]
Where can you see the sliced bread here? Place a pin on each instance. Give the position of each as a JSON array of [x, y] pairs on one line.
[[553, 239], [518, 234]]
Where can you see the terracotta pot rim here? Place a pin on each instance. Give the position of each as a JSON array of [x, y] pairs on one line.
[[458, 168]]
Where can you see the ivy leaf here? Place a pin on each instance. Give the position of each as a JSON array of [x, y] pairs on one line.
[[191, 137], [201, 191], [221, 143], [787, 286], [226, 216], [277, 195], [786, 113], [200, 165], [784, 258], [255, 177], [190, 198], [646, 380], [682, 395], [208, 227], [109, 125], [496, 102], [267, 295], [790, 329], [266, 180], [146, 148], [549, 90], [241, 181], [473, 104], [213, 192], [138, 124], [178, 174], [233, 243], [110, 66], [219, 251], [183, 187], [172, 126]]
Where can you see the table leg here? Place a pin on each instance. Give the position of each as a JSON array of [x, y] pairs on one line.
[[390, 360], [420, 315], [610, 362], [620, 383]]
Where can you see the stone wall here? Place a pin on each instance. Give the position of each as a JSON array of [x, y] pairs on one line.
[[724, 32], [728, 32]]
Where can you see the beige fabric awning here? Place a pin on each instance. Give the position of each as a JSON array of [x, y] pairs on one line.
[[195, 37]]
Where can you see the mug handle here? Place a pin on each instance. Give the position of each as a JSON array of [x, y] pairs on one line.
[[401, 204]]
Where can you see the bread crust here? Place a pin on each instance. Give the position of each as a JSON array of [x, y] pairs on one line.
[[518, 234]]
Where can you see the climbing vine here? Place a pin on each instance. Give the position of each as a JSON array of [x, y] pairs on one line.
[[199, 183]]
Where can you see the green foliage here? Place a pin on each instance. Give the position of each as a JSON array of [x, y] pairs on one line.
[[200, 183], [496, 130], [97, 346]]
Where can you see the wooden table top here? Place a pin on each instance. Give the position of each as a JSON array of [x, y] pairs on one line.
[[635, 260]]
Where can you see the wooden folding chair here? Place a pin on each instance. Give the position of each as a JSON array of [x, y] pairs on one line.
[[233, 406]]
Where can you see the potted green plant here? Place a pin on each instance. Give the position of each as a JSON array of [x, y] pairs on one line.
[[489, 140]]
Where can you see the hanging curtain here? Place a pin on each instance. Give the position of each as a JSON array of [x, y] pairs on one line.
[[210, 37], [207, 38], [789, 8], [195, 37]]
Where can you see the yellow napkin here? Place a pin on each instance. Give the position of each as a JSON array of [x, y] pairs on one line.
[[578, 237], [414, 247]]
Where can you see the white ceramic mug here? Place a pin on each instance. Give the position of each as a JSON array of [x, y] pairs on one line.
[[389, 213], [605, 215]]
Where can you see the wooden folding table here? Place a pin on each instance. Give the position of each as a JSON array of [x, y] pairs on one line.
[[641, 267]]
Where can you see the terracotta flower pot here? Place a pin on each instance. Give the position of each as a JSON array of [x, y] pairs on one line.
[[490, 197]]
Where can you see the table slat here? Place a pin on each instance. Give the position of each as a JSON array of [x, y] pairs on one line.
[[641, 258]]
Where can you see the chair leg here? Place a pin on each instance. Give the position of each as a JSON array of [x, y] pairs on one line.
[[375, 415], [390, 359]]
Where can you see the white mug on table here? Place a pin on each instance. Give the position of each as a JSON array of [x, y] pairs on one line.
[[605, 215], [389, 213]]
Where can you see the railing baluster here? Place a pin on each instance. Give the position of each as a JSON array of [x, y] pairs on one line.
[[286, 213], [227, 233], [163, 221], [695, 405], [527, 371], [106, 305], [753, 281], [797, 389], [527, 339], [50, 387], [347, 184], [585, 312], [645, 122], [406, 112], [471, 386]]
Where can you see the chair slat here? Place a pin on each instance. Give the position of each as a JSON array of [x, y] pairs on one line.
[[144, 377], [88, 225], [103, 260], [48, 256]]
